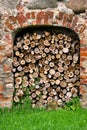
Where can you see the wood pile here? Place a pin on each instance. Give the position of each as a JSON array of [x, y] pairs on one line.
[[46, 67]]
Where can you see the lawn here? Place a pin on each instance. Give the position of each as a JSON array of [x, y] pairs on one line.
[[27, 119]]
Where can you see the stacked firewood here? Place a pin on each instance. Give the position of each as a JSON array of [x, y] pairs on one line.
[[46, 68]]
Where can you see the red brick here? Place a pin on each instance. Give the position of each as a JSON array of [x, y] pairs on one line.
[[9, 54], [7, 68], [70, 17], [83, 49], [9, 25], [82, 28], [1, 87], [28, 15], [74, 22], [40, 17], [65, 17], [7, 99], [48, 15], [83, 81], [83, 53], [1, 96], [2, 47], [9, 80], [83, 41], [83, 59], [7, 37], [33, 15], [2, 57], [21, 19], [82, 91], [69, 20], [12, 18], [61, 15], [83, 77]]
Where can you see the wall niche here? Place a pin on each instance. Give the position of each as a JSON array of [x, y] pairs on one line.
[[46, 65]]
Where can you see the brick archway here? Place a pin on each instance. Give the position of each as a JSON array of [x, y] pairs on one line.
[[38, 17]]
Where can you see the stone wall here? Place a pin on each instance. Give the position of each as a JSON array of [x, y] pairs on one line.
[[21, 16]]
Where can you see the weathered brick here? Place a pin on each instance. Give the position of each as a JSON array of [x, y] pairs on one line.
[[83, 49], [27, 15], [7, 68], [83, 41], [2, 47], [65, 17], [9, 54], [1, 87], [9, 80], [82, 90], [69, 20], [40, 17], [7, 37], [12, 18], [48, 16], [79, 28], [83, 53], [74, 22], [21, 19], [83, 79], [9, 85], [7, 99], [9, 25], [82, 28], [1, 96], [70, 17], [60, 15], [2, 57], [82, 59], [33, 15], [7, 104]]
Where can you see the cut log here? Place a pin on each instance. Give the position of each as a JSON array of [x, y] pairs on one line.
[[65, 50], [75, 58], [49, 99], [32, 44], [77, 72], [25, 47], [19, 93], [63, 84], [27, 42], [22, 62], [57, 82], [71, 74], [46, 67], [47, 33], [46, 50], [60, 69], [52, 71], [46, 43], [57, 74], [60, 36], [19, 68]]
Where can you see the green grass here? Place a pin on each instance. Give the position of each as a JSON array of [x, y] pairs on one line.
[[27, 119]]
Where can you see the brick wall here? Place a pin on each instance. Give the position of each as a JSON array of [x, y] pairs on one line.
[[21, 17]]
